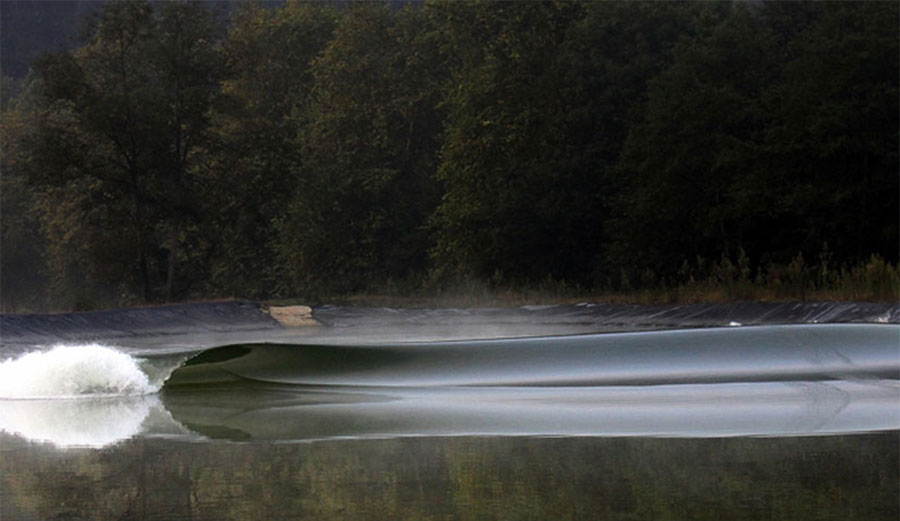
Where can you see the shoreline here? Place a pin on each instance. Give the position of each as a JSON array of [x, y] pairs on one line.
[[230, 318]]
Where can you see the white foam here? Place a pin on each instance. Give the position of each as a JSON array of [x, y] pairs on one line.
[[97, 422], [71, 371]]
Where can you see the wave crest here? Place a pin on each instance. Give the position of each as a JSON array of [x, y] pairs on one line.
[[69, 371]]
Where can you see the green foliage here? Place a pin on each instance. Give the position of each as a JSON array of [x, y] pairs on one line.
[[318, 149], [253, 162], [365, 185], [21, 243], [874, 280], [518, 203], [831, 155], [112, 148], [730, 279], [685, 164], [764, 135]]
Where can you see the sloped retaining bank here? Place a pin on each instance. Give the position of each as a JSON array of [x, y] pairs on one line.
[[176, 319], [620, 316], [246, 316]]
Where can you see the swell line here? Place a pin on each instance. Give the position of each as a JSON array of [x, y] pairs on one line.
[[770, 353]]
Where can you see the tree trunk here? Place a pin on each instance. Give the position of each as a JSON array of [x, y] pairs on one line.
[[145, 274], [141, 237], [170, 275]]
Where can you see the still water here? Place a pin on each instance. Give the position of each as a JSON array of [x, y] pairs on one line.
[[766, 422], [479, 478]]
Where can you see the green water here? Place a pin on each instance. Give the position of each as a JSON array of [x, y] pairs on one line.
[[851, 477]]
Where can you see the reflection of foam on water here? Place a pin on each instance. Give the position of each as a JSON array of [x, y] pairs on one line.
[[94, 422], [75, 395], [71, 371]]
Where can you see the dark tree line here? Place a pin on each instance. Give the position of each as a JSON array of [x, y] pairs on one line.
[[314, 148]]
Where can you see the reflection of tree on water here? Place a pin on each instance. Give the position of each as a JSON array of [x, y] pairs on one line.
[[845, 477], [162, 492]]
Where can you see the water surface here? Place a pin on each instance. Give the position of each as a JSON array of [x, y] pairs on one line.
[[484, 478], [232, 417]]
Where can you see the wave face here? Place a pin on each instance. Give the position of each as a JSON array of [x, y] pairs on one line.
[[68, 371], [735, 381], [755, 381], [770, 353]]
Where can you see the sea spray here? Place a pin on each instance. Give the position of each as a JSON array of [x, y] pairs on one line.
[[69, 371]]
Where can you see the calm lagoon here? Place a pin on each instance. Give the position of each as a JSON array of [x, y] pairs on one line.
[[843, 478]]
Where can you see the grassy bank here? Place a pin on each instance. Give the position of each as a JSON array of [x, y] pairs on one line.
[[727, 280]]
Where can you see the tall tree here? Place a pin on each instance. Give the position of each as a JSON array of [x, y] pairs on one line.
[[22, 245], [253, 163], [687, 165], [520, 203], [832, 157], [766, 135], [186, 68], [135, 99], [369, 143]]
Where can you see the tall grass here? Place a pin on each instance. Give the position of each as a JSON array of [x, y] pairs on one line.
[[725, 280], [728, 279]]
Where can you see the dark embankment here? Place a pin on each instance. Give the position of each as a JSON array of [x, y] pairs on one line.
[[179, 319], [621, 316], [223, 318]]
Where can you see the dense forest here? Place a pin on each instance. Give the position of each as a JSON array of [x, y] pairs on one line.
[[315, 149]]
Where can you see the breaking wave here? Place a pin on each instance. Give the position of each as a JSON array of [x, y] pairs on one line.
[[733, 381], [71, 371], [718, 355]]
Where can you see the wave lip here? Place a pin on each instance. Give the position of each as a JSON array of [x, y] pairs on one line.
[[71, 371]]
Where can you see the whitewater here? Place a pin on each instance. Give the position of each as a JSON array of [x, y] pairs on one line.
[[71, 371], [227, 370]]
